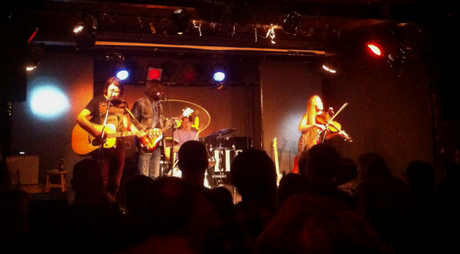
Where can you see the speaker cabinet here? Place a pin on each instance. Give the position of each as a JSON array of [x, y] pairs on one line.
[[23, 169]]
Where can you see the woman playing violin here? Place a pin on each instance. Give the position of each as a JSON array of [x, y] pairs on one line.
[[312, 126]]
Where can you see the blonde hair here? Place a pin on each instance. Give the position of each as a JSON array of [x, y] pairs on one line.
[[311, 136]]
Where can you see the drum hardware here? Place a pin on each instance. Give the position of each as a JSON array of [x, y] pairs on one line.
[[221, 133], [220, 156]]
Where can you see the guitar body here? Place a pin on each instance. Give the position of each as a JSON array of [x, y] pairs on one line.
[[150, 141], [84, 143]]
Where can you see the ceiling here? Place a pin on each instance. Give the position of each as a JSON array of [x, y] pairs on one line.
[[240, 27]]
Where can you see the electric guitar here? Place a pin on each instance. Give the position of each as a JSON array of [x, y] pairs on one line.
[[275, 154], [84, 143], [150, 141]]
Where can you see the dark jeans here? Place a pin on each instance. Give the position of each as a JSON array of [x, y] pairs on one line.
[[112, 161]]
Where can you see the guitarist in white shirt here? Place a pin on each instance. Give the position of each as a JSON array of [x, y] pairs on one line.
[[108, 110]]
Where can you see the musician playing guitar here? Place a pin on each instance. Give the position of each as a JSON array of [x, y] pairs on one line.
[[148, 115], [103, 113]]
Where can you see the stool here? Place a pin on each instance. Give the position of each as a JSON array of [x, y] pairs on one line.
[[61, 184]]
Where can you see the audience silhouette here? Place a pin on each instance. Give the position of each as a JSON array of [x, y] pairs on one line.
[[384, 200], [253, 173], [334, 205], [322, 168], [347, 178], [313, 224], [93, 223]]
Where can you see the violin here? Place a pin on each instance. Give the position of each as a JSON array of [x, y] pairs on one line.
[[325, 118]]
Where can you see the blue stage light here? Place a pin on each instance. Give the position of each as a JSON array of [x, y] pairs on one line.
[[122, 74], [219, 76]]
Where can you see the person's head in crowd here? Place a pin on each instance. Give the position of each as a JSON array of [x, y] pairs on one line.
[[169, 205], [372, 164], [87, 181], [311, 224], [289, 185], [253, 173], [193, 161], [323, 164], [136, 189], [348, 171]]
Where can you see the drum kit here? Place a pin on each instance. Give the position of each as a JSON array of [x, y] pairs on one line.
[[221, 151]]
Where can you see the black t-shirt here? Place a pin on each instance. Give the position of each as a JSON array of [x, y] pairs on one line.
[[98, 108]]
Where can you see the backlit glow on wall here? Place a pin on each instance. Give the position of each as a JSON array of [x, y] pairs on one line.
[[47, 99]]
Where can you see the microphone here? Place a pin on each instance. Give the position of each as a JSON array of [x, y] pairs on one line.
[[331, 111], [161, 96], [110, 96]]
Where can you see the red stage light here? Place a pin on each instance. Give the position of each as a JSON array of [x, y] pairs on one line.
[[189, 75], [375, 49], [154, 74]]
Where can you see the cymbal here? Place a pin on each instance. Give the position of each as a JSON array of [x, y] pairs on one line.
[[222, 148], [222, 132]]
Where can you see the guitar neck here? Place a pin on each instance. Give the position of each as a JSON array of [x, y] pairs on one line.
[[122, 134], [275, 154], [277, 163]]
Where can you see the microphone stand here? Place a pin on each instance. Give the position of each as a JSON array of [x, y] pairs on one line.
[[101, 145], [163, 149], [172, 155], [161, 142]]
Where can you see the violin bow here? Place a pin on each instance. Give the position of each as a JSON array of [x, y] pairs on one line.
[[343, 106], [332, 118]]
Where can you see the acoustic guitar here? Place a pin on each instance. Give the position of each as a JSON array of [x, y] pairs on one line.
[[84, 143]]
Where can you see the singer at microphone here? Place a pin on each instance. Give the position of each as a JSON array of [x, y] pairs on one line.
[[99, 118]]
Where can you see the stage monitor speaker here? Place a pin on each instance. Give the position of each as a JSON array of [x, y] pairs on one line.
[[23, 169]]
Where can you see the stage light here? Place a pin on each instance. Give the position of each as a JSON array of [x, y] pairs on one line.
[[219, 71], [85, 32], [329, 68], [219, 76], [375, 49], [122, 74], [188, 72], [154, 73], [31, 67], [116, 61], [48, 101], [181, 21], [34, 55], [292, 22]]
